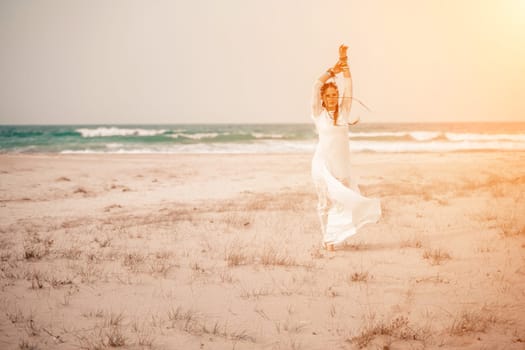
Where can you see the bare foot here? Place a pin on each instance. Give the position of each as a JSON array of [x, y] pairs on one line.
[[330, 247]]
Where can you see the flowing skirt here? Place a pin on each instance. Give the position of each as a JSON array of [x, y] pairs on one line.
[[342, 209]]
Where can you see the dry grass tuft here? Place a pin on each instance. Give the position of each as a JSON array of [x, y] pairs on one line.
[[436, 256], [115, 338], [226, 276], [254, 293], [511, 228], [433, 279], [161, 267], [109, 334], [80, 190], [472, 321], [144, 336], [133, 261], [362, 276], [316, 253], [238, 219], [103, 242], [398, 328], [412, 243], [36, 278], [355, 246], [72, 253], [290, 326], [270, 256], [35, 247], [88, 272], [191, 322], [26, 345], [15, 316], [235, 255]]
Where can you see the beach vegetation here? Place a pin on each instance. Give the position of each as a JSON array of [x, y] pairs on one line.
[[133, 261], [191, 322], [398, 328], [144, 335], [81, 190], [72, 253], [360, 276], [413, 242], [436, 256], [103, 242], [235, 255], [254, 293], [16, 315], [36, 247], [161, 266], [226, 276], [270, 256], [87, 271], [27, 345], [37, 279], [108, 334], [469, 321]]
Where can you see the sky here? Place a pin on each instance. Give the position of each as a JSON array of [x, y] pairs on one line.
[[249, 61]]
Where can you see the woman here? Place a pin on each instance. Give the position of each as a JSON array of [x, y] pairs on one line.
[[342, 210]]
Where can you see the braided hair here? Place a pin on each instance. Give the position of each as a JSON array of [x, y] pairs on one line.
[[323, 90]]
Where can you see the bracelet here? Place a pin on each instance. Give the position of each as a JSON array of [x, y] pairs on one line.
[[343, 58], [330, 71]]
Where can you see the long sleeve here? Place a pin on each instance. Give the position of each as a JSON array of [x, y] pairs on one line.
[[346, 104], [317, 107]]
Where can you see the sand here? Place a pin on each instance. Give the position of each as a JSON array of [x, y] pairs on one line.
[[223, 252]]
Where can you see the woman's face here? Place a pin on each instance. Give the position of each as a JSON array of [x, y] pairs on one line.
[[330, 98]]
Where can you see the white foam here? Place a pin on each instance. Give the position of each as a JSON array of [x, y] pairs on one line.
[[285, 146], [377, 134], [434, 146], [113, 145], [424, 135], [260, 135], [416, 135], [256, 147], [114, 131], [197, 136]]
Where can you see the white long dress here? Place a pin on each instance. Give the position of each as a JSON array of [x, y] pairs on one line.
[[342, 209]]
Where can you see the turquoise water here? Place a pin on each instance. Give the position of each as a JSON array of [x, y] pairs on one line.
[[256, 138]]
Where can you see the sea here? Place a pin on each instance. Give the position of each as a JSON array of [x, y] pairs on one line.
[[258, 138]]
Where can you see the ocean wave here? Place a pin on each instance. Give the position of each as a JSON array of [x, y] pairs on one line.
[[114, 145], [434, 146], [114, 131], [260, 135], [363, 134], [282, 146], [228, 136], [259, 147], [197, 136], [413, 135], [484, 137], [424, 135]]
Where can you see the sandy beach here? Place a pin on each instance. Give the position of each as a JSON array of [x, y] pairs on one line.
[[223, 252]]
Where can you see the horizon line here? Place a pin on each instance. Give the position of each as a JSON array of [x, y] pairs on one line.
[[262, 123]]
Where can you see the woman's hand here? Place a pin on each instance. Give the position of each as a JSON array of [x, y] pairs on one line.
[[342, 63], [342, 52]]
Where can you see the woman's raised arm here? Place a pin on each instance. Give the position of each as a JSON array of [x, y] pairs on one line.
[[346, 104]]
